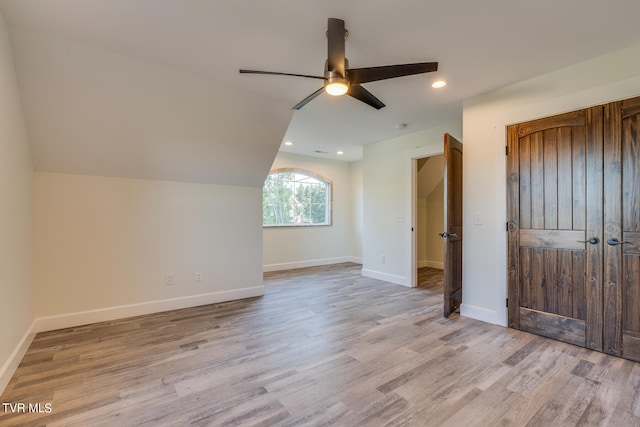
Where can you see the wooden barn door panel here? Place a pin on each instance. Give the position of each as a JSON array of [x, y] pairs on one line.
[[622, 229], [576, 177], [453, 224], [555, 208]]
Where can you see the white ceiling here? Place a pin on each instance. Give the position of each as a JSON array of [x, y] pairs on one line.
[[151, 89]]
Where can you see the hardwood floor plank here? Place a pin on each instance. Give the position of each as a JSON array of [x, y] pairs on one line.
[[324, 346]]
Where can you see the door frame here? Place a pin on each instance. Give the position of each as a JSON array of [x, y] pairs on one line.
[[411, 166]]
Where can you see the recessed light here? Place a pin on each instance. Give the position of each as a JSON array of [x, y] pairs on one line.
[[288, 143], [340, 153], [438, 84]]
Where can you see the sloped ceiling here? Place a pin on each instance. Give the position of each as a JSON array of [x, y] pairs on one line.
[[151, 89]]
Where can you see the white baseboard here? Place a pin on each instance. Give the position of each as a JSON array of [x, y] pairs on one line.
[[69, 320], [481, 313], [398, 280], [309, 263], [354, 259], [10, 366], [432, 264]]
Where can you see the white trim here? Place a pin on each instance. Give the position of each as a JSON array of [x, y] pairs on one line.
[[431, 264], [309, 263], [391, 278], [69, 320], [10, 366], [481, 313]]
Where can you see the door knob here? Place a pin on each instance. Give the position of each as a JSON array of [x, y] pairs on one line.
[[445, 235], [592, 241], [615, 242]]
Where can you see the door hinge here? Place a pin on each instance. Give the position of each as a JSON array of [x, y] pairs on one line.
[[507, 227], [506, 303], [506, 150]]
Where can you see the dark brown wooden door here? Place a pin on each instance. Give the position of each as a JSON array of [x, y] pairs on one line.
[[555, 226], [622, 229], [453, 224]]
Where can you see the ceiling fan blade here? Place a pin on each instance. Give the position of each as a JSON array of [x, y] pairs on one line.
[[275, 73], [336, 38], [361, 94], [372, 74], [305, 101]]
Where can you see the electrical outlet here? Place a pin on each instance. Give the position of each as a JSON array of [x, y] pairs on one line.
[[198, 276], [170, 279]]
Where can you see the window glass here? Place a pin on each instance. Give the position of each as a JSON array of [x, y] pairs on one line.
[[295, 198]]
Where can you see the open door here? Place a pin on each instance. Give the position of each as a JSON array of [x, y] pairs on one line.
[[452, 224]]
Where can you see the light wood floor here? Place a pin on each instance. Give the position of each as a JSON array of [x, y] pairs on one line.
[[324, 346]]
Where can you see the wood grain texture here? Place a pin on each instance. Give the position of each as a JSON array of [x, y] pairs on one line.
[[554, 183], [631, 348], [625, 259], [453, 224], [594, 215], [557, 239], [612, 264], [553, 326], [632, 247], [515, 165], [574, 118], [324, 346]]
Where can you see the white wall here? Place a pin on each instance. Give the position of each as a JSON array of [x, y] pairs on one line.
[[16, 288], [604, 79], [386, 192], [294, 247], [355, 242], [103, 246]]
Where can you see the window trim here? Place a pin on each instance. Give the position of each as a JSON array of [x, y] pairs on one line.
[[311, 175]]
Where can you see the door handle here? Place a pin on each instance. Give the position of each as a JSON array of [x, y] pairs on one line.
[[445, 235], [592, 241], [615, 242]]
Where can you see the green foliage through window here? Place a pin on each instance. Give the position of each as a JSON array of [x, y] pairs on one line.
[[292, 198]]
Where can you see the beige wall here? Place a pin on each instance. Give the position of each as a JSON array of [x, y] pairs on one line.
[[16, 289], [108, 242], [434, 245], [293, 247], [430, 212]]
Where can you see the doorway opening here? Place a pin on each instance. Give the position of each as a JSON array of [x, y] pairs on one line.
[[452, 232], [429, 223], [412, 158]]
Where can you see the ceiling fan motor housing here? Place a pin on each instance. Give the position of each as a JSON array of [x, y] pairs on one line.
[[334, 78]]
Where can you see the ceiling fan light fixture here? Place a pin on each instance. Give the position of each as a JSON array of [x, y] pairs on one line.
[[336, 86]]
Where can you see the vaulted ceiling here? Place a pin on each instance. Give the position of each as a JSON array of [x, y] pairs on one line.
[[151, 89]]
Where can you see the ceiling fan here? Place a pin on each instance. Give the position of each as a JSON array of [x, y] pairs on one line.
[[339, 79]]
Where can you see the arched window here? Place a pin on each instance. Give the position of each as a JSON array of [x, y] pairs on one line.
[[294, 197]]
